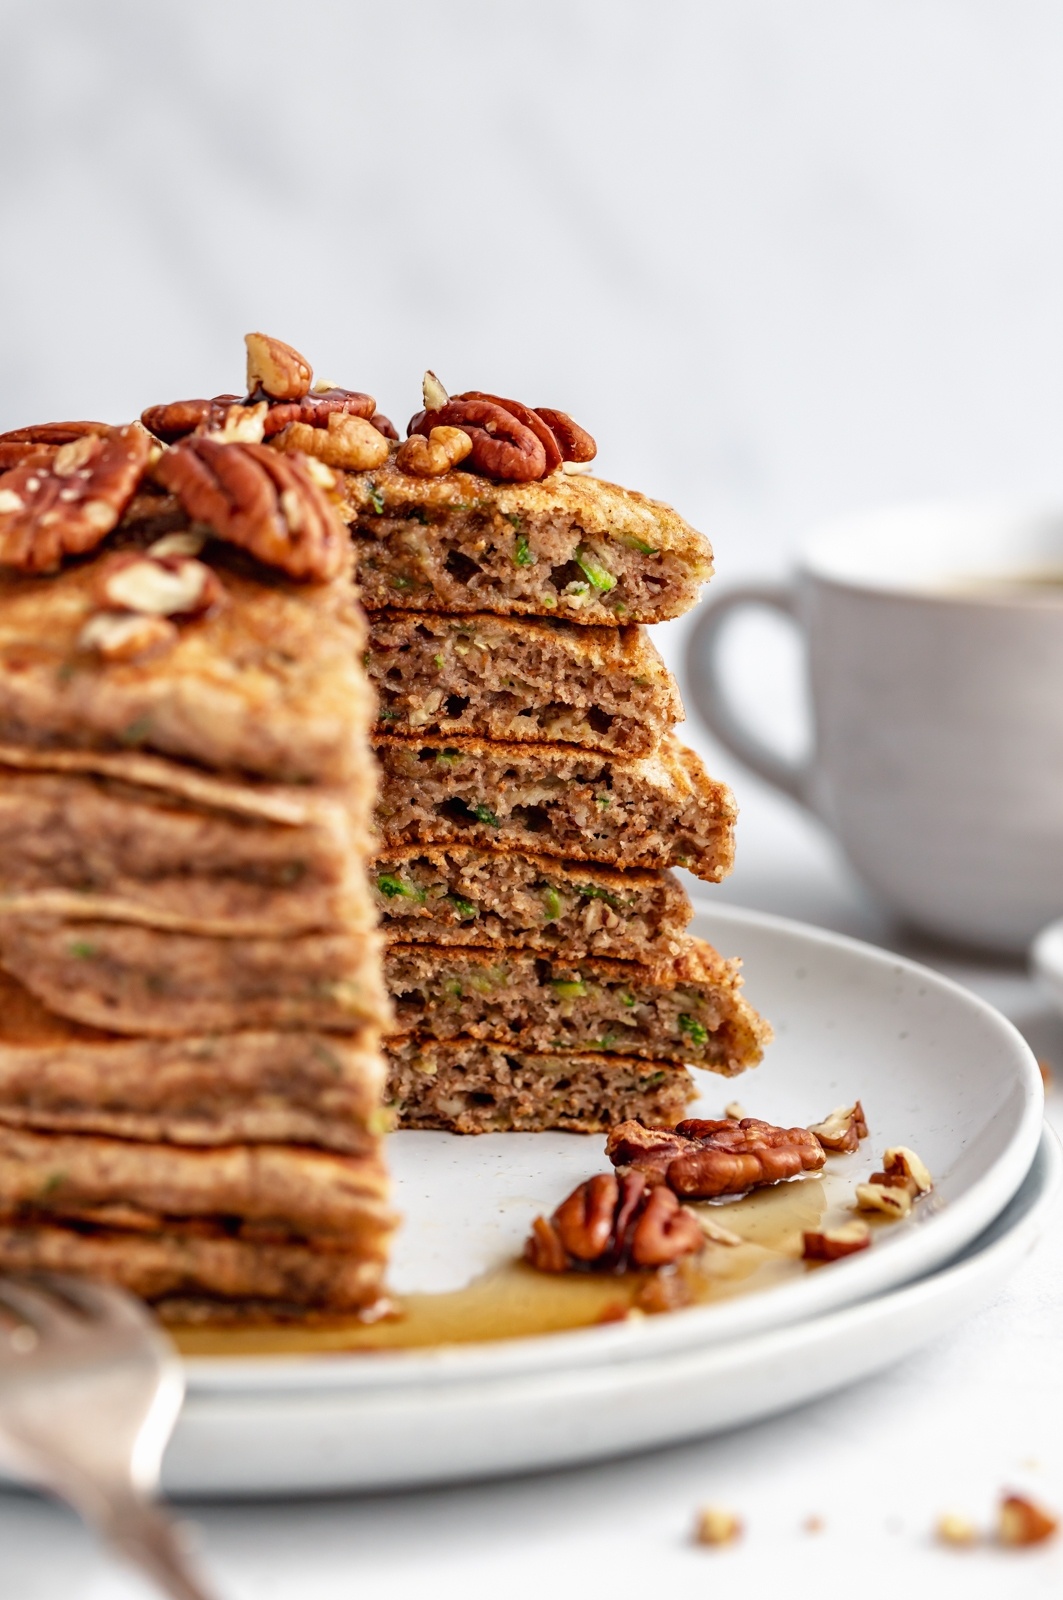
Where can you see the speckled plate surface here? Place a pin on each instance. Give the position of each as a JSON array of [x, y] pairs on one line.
[[936, 1069]]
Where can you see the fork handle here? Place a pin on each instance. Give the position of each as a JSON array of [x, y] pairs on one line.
[[150, 1540]]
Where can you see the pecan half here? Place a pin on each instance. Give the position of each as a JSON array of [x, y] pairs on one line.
[[255, 497], [701, 1159], [609, 1224], [346, 441], [275, 369], [531, 419], [70, 505], [315, 409], [842, 1129], [36, 445], [432, 456], [176, 418], [833, 1243], [154, 585], [384, 425], [502, 447], [509, 439], [574, 442]]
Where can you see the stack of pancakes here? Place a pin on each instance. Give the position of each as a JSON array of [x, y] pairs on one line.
[[534, 798], [190, 989]]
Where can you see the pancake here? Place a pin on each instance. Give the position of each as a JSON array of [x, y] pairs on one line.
[[272, 1192], [77, 844], [655, 811], [520, 678], [58, 1076], [457, 895], [571, 546], [191, 1266], [140, 980], [267, 685], [686, 1009], [466, 1086]]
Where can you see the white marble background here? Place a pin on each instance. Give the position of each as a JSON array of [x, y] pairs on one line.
[[784, 260]]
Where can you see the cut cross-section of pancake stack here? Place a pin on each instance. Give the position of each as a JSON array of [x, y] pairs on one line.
[[190, 981], [534, 797]]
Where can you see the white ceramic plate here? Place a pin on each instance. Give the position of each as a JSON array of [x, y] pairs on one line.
[[935, 1067], [399, 1435]]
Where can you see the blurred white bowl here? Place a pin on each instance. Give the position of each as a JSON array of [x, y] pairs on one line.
[[1046, 959]]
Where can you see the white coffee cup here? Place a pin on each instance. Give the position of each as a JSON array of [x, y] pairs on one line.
[[935, 663]]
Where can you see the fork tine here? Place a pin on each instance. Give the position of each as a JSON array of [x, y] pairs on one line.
[[100, 1301], [37, 1309]]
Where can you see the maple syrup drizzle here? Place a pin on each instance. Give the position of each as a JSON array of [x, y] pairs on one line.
[[513, 1301]]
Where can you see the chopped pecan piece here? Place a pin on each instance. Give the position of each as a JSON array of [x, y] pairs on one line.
[[241, 424], [1021, 1522], [609, 1224], [702, 1159], [842, 1129], [275, 369], [257, 498], [664, 1290], [431, 456], [833, 1243], [716, 1525], [127, 636], [894, 1203], [154, 585], [36, 445], [902, 1169], [70, 505], [955, 1530], [346, 441]]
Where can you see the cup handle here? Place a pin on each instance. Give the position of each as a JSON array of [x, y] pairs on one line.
[[710, 694]]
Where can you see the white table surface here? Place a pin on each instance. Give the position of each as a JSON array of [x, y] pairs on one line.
[[976, 1411]]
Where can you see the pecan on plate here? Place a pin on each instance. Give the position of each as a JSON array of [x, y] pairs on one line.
[[842, 1129], [611, 1223], [1021, 1521], [37, 445], [267, 503], [70, 505], [833, 1243], [702, 1159]]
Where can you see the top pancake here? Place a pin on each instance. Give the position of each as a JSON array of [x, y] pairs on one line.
[[569, 545]]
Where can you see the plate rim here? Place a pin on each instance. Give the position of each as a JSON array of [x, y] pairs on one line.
[[855, 1280]]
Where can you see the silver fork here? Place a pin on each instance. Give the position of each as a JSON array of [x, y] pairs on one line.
[[90, 1388]]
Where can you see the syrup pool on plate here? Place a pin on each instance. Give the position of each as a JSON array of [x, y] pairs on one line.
[[513, 1301]]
